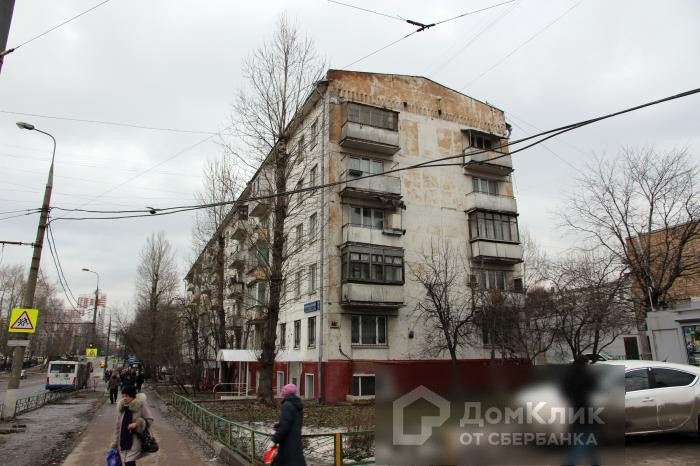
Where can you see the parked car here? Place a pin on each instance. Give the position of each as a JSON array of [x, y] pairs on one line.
[[660, 397]]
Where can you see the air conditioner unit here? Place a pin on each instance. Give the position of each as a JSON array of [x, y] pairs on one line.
[[355, 172]]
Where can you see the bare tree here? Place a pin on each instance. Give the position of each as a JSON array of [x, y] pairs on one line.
[[156, 285], [592, 302], [643, 207], [12, 282], [448, 306], [279, 77]]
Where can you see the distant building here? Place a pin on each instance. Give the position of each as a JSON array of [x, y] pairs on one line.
[[348, 298]]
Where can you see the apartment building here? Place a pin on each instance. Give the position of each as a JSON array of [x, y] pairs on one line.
[[348, 296]]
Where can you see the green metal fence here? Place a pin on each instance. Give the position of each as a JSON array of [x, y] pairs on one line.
[[37, 401], [339, 448]]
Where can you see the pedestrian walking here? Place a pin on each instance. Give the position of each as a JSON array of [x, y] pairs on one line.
[[134, 417], [288, 430], [113, 387], [139, 381]]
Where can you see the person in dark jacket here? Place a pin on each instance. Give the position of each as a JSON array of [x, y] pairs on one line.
[[139, 381], [113, 386], [288, 430]]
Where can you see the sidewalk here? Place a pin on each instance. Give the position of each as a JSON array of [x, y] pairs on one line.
[[175, 449]]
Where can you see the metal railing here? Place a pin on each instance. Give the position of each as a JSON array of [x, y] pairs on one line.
[[338, 448], [30, 403]]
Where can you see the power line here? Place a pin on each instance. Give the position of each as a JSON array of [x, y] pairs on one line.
[[399, 18], [421, 26], [59, 269], [528, 40], [147, 170], [473, 39], [19, 215], [544, 135], [8, 51], [112, 123]]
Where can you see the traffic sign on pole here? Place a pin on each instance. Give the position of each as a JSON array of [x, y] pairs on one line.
[[23, 320]]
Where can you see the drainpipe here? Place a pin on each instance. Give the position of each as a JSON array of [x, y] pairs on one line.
[[322, 252]]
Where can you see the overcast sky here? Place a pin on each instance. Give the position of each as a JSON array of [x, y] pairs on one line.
[[176, 64]]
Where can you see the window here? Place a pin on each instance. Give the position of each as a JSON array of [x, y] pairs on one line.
[[312, 278], [280, 382], [297, 284], [367, 217], [482, 185], [372, 264], [313, 175], [636, 380], [671, 378], [313, 225], [363, 385], [314, 133], [300, 146], [299, 234], [366, 166], [499, 227], [368, 330], [283, 291], [283, 335], [480, 141], [493, 279], [373, 116], [309, 386], [311, 327], [297, 333]]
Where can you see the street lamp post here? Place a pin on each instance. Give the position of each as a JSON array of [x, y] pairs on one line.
[[94, 311], [18, 355]]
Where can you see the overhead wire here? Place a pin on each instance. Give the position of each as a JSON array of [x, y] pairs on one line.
[[59, 269], [543, 135], [113, 123], [8, 51], [523, 44]]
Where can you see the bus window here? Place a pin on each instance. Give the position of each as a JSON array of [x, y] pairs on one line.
[[62, 368]]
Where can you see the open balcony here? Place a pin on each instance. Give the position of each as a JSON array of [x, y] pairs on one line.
[[388, 185], [240, 231], [234, 290], [383, 237], [489, 162], [495, 203], [494, 251], [369, 138], [372, 296], [260, 207]]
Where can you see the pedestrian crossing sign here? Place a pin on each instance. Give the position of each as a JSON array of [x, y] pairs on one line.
[[23, 320], [91, 352]]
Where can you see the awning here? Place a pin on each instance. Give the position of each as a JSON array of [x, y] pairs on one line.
[[246, 355]]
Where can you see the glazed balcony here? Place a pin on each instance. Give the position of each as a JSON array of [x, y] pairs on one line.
[[489, 162], [368, 138], [372, 296], [494, 251], [495, 203]]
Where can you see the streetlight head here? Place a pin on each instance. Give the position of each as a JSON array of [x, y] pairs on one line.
[[23, 125]]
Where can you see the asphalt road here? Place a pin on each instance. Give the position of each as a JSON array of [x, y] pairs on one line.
[[32, 385], [662, 450]]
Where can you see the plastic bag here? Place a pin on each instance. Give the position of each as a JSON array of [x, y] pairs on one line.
[[270, 454], [113, 458]]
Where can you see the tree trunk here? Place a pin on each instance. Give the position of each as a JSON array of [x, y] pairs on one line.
[[220, 310], [269, 341]]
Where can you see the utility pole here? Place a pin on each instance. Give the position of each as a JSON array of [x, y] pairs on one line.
[[94, 309], [7, 7], [109, 331], [18, 355]]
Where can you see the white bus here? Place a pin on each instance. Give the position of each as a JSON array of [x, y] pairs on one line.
[[67, 374]]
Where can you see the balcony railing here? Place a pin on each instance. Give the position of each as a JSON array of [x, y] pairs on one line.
[[494, 251], [260, 207], [383, 237], [369, 295], [483, 201], [362, 187], [491, 162], [369, 138]]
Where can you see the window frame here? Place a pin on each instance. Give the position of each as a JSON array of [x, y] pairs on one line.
[[360, 341], [297, 284], [283, 335], [311, 332], [357, 262], [478, 185], [373, 217], [314, 133], [313, 226], [648, 379], [313, 176], [313, 275], [368, 115], [360, 162], [493, 226], [297, 334], [654, 371], [359, 385]]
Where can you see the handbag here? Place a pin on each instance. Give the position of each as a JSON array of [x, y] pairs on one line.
[[270, 454], [148, 442], [113, 458]]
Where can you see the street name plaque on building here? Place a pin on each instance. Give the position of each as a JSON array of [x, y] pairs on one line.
[[313, 306]]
